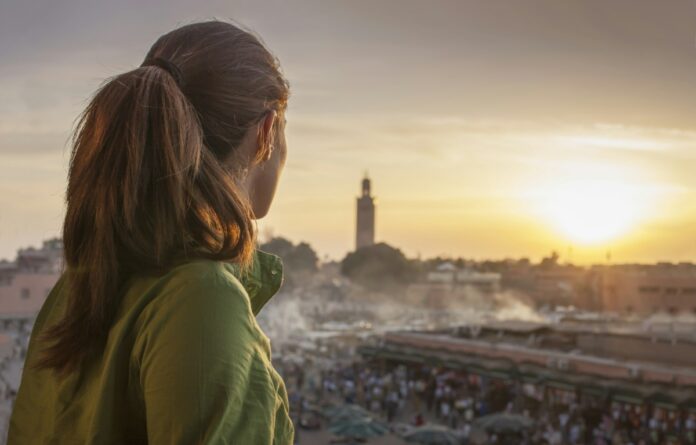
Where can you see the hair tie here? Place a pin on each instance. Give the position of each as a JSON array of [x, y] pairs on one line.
[[169, 67]]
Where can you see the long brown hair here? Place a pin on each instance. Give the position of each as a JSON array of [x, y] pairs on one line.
[[147, 186]]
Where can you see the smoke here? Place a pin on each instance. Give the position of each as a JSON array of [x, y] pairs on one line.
[[293, 317], [515, 306], [283, 318]]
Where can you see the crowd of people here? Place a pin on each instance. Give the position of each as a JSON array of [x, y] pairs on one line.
[[418, 394]]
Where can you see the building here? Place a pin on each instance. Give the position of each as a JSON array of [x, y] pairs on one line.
[[560, 285], [482, 281], [365, 227], [46, 259], [448, 273], [443, 273], [447, 283], [25, 282], [605, 362], [646, 289]]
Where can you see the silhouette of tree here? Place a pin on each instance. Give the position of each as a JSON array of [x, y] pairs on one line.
[[300, 258], [303, 257], [278, 245], [379, 267], [549, 261]]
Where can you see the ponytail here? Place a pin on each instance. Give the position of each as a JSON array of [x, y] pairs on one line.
[[144, 194]]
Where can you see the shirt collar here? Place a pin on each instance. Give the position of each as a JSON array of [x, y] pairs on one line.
[[263, 280]]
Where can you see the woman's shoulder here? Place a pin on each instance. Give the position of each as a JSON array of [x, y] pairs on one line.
[[199, 302], [202, 291], [202, 270], [201, 276]]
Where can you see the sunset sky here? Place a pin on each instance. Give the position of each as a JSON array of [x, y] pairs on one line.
[[491, 129]]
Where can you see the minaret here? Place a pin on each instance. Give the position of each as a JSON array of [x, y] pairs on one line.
[[365, 233]]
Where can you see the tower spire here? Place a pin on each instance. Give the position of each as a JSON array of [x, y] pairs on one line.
[[366, 185], [365, 227]]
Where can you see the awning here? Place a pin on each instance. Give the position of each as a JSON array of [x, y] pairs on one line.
[[559, 384], [529, 378], [493, 374], [625, 398], [399, 356], [595, 391]]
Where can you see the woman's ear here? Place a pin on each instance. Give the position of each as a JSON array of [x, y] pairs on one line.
[[266, 134]]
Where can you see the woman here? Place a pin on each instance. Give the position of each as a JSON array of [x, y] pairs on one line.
[[150, 335]]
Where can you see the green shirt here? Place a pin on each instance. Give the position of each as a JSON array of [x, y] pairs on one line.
[[185, 363]]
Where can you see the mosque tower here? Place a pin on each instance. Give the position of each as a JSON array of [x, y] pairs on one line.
[[365, 230]]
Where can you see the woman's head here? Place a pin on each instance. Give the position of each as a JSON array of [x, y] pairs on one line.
[[168, 168], [236, 86]]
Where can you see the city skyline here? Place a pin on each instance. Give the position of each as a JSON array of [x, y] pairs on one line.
[[521, 129]]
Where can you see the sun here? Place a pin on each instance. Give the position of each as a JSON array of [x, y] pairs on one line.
[[593, 212]]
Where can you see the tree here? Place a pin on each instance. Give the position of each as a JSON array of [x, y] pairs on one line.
[[378, 267], [300, 258], [550, 261], [278, 245], [303, 257]]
